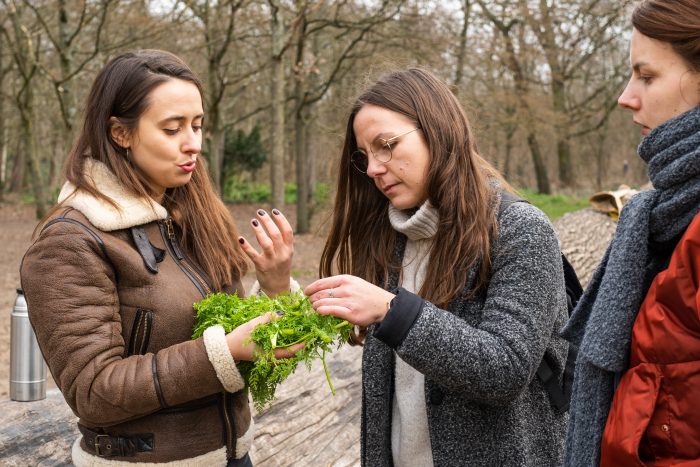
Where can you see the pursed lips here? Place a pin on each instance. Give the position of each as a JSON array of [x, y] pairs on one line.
[[188, 166], [191, 160]]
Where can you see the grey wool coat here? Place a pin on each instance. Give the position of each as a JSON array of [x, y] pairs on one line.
[[486, 407]]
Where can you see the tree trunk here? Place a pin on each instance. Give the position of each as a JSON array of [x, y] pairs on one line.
[[3, 148], [65, 91], [540, 167], [302, 167], [278, 101], [26, 100], [16, 177], [311, 163], [216, 133], [566, 178], [507, 169], [510, 129], [3, 157], [601, 159], [462, 50], [301, 156], [3, 130]]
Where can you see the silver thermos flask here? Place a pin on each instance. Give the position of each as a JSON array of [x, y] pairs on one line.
[[27, 368]]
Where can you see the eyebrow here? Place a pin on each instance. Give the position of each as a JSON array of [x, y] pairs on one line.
[[179, 118], [638, 65]]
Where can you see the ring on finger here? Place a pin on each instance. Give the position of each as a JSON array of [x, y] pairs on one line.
[[330, 293]]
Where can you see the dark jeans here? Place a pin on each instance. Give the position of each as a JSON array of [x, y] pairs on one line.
[[243, 462]]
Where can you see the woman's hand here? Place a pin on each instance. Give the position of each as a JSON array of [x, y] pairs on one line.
[[276, 238], [350, 298], [242, 348]]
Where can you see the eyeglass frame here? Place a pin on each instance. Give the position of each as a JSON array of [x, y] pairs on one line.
[[385, 143]]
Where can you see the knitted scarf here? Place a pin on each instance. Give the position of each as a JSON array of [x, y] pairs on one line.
[[650, 225]]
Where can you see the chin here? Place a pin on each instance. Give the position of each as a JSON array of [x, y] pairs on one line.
[[183, 181], [403, 205]]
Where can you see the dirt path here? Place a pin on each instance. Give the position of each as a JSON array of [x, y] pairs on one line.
[[17, 222]]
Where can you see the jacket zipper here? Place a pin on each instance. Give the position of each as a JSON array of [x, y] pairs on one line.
[[169, 237], [229, 431]]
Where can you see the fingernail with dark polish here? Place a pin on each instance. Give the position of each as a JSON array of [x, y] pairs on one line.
[[255, 222], [241, 240], [261, 212], [275, 212], [280, 312]]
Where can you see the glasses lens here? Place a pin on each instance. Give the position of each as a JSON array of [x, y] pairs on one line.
[[359, 161], [382, 150]]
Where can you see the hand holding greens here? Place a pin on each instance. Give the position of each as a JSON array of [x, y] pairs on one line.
[[299, 323]]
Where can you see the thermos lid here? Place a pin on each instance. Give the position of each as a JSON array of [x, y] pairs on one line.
[[20, 291]]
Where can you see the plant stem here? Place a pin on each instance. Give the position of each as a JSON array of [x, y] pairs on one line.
[[328, 376], [301, 339]]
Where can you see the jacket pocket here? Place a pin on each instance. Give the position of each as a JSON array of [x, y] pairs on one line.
[[633, 406], [140, 332]]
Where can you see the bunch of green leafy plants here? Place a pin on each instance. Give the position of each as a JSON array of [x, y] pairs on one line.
[[299, 323]]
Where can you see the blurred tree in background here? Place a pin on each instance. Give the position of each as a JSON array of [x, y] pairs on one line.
[[539, 79], [243, 152]]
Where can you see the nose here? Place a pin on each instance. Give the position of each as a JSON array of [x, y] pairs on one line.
[[192, 143], [628, 99], [374, 167]]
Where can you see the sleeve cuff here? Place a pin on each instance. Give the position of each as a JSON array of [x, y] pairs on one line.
[[256, 290], [221, 359], [403, 312]]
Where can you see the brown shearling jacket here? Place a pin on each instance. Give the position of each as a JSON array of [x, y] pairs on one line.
[[110, 298]]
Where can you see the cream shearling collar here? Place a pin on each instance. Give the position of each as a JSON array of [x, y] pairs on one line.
[[133, 210]]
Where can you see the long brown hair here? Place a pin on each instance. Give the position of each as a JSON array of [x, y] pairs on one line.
[[459, 185], [122, 90], [674, 21]]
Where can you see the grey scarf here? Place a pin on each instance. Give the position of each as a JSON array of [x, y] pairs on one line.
[[601, 325]]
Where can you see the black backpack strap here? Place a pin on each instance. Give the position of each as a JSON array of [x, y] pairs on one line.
[[558, 395], [550, 381], [508, 198], [574, 290]]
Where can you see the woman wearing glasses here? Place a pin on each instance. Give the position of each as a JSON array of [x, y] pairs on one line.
[[459, 298]]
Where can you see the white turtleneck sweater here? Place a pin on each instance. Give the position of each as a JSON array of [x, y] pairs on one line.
[[410, 438]]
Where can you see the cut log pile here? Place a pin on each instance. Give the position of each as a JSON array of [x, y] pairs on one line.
[[306, 425], [584, 235]]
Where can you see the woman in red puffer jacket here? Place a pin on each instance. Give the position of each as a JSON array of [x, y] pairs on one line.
[[655, 416]]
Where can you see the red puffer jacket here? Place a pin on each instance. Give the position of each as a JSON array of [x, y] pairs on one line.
[[655, 415]]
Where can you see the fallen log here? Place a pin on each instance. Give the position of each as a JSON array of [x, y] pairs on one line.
[[584, 236], [37, 433], [305, 425]]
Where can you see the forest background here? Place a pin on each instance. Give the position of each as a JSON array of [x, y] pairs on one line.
[[539, 79]]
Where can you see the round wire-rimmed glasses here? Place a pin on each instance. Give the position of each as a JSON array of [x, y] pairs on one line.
[[380, 149]]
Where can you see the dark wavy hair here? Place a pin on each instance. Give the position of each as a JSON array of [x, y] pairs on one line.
[[459, 185]]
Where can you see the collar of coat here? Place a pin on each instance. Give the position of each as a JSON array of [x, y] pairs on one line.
[[132, 209]]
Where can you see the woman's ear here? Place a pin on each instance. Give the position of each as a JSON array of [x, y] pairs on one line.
[[120, 133]]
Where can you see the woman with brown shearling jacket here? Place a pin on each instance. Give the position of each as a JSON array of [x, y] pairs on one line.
[[137, 237]]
